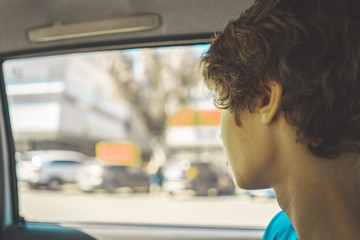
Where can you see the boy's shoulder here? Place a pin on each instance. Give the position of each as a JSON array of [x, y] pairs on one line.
[[280, 228]]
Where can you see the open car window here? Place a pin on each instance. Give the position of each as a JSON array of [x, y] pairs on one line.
[[123, 136]]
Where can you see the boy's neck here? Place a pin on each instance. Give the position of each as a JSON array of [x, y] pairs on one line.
[[322, 200]]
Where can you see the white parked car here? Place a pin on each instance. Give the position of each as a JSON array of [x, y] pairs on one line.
[[49, 168]]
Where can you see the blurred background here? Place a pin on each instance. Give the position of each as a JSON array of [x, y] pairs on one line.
[[124, 136]]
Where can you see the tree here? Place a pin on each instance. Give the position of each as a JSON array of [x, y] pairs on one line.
[[155, 82]]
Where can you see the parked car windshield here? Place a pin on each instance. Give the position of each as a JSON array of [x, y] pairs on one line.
[[132, 137]]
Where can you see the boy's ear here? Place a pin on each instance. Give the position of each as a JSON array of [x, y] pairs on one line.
[[269, 105]]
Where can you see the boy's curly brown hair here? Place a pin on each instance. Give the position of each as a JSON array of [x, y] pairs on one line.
[[312, 49]]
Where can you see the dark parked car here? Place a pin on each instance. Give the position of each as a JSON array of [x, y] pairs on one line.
[[97, 175], [202, 177]]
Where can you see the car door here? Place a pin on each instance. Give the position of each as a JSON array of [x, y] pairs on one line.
[[64, 170], [34, 34], [137, 178]]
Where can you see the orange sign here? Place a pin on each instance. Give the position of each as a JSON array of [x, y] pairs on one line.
[[125, 153], [210, 117], [190, 117]]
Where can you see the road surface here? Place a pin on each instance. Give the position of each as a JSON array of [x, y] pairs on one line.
[[159, 208]]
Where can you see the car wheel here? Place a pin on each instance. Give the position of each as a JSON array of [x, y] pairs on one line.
[[54, 184], [88, 191], [110, 188], [33, 186], [201, 189], [141, 189]]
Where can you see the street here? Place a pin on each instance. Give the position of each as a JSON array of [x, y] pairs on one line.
[[154, 208]]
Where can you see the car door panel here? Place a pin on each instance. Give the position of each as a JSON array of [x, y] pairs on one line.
[[88, 231]]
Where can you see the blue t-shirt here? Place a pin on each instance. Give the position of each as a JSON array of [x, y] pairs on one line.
[[280, 228]]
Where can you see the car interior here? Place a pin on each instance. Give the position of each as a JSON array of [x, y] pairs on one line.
[[39, 112]]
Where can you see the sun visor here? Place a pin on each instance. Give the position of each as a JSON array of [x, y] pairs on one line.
[[61, 31]]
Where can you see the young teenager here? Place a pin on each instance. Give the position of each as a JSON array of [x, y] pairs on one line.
[[287, 75]]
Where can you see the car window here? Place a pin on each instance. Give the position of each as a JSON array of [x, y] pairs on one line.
[[143, 110]]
